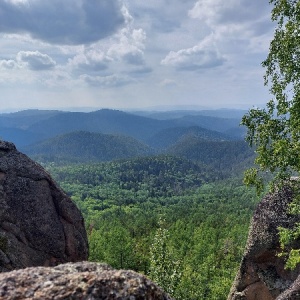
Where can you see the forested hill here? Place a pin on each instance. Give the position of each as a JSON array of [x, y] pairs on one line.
[[104, 135], [27, 127], [158, 176], [171, 136], [83, 146], [86, 147], [222, 155], [221, 120]]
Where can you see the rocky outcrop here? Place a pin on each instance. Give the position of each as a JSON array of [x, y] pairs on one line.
[[39, 224], [82, 280], [41, 227], [262, 275], [292, 293]]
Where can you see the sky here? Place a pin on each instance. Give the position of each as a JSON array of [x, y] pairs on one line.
[[133, 54]]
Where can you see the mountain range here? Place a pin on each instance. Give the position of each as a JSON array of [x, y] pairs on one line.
[[112, 134]]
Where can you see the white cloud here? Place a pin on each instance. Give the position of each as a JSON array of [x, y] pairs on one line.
[[69, 22], [8, 64], [106, 81], [35, 60], [203, 55], [32, 60], [126, 47], [16, 2], [90, 47], [92, 60], [233, 16], [129, 47]]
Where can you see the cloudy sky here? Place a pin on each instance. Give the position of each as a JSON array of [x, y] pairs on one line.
[[133, 53]]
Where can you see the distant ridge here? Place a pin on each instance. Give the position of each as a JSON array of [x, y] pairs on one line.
[[179, 113], [29, 127], [105, 121], [23, 119]]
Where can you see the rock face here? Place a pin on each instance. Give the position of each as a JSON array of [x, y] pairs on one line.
[[82, 280], [262, 275], [39, 224]]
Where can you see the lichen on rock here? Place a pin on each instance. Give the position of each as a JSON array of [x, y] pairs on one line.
[[82, 280]]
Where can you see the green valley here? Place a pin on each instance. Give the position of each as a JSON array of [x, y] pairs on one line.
[[181, 223], [163, 197]]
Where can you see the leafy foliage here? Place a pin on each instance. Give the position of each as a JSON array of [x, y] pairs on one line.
[[287, 236], [164, 268], [275, 130]]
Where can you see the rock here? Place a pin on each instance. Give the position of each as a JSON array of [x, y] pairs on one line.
[[262, 274], [292, 293], [83, 280], [39, 224]]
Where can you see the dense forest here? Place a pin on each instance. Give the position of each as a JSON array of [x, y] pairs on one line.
[[161, 194], [181, 223]]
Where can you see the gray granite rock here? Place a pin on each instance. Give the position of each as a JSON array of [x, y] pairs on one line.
[[262, 274], [83, 280], [39, 223]]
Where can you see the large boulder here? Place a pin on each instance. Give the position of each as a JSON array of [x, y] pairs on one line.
[[262, 275], [84, 280], [39, 223]]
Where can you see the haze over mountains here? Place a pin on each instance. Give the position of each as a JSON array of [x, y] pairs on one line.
[[106, 134]]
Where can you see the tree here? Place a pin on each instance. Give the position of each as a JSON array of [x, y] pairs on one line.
[[275, 130], [112, 245], [164, 267]]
